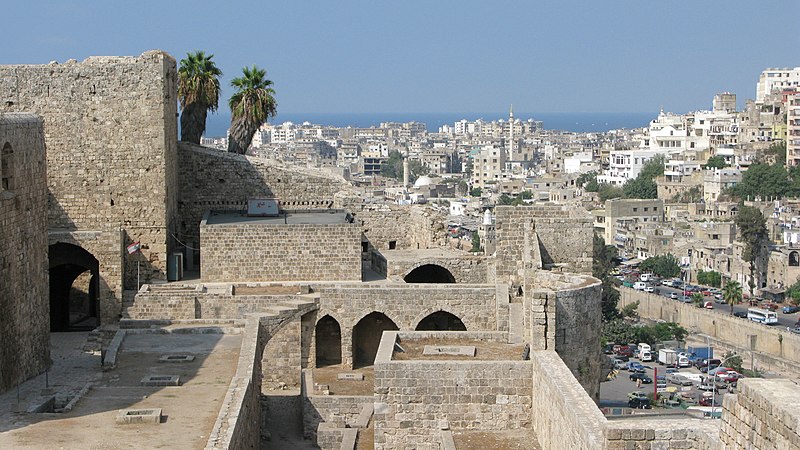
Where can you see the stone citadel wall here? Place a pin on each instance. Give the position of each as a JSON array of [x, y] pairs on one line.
[[409, 227], [24, 307], [278, 252], [214, 180], [111, 132]]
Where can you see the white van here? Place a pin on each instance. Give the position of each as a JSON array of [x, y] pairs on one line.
[[645, 356], [643, 347], [639, 285], [646, 277]]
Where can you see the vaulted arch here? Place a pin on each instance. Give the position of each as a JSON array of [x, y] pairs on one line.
[[430, 273], [73, 306], [441, 321], [367, 335], [328, 342]]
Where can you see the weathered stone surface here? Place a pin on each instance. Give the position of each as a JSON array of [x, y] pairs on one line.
[[24, 307]]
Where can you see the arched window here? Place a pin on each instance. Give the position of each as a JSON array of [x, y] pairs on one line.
[[7, 167]]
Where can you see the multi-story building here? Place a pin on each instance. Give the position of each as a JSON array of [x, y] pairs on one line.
[[619, 214], [716, 181], [793, 129], [624, 165], [776, 79], [488, 165]]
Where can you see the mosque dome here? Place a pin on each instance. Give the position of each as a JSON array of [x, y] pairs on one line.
[[423, 181]]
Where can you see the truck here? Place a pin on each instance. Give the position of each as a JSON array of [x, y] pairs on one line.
[[668, 357], [701, 352]]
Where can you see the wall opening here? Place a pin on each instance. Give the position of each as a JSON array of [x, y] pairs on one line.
[[328, 342], [441, 321], [74, 286], [367, 336], [429, 273], [392, 245], [794, 259], [7, 168]]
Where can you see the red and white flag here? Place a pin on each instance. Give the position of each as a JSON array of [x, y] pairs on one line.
[[134, 247]]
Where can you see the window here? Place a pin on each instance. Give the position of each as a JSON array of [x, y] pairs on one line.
[[646, 209], [7, 168], [392, 245], [635, 209]]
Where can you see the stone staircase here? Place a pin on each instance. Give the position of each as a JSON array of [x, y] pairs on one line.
[[94, 341]]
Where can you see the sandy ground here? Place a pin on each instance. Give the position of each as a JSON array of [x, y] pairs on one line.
[[484, 351], [329, 375], [189, 410]]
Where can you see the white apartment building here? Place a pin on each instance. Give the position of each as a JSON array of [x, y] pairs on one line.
[[776, 79], [793, 129], [579, 163], [624, 165]]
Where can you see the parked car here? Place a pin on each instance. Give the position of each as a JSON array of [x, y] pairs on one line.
[[619, 364], [625, 351], [790, 309], [732, 376], [718, 299], [650, 289], [679, 379], [709, 385], [640, 376], [707, 397], [703, 363], [795, 330], [673, 295], [638, 400], [635, 366], [741, 314], [685, 299], [770, 306]]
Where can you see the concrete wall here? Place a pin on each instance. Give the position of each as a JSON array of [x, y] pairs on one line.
[[717, 323], [211, 179], [279, 252], [24, 307], [763, 414], [111, 132]]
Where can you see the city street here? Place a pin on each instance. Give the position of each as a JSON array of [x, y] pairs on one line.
[[784, 320]]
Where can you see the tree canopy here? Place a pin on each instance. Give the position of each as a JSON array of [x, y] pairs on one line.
[[751, 227], [198, 93], [251, 105], [732, 293], [640, 187], [621, 331], [665, 266], [393, 167], [716, 162], [603, 260], [710, 278]]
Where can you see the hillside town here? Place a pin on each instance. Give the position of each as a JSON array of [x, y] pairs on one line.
[[684, 205]]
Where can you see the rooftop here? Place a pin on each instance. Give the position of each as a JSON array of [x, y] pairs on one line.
[[310, 217]]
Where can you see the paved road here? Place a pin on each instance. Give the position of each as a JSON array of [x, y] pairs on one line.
[[784, 320]]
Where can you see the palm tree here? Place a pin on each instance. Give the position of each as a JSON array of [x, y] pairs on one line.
[[732, 293], [251, 105], [198, 92], [697, 299]]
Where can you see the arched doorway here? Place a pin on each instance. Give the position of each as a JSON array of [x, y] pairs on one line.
[[441, 321], [74, 284], [328, 340], [430, 273], [367, 337]]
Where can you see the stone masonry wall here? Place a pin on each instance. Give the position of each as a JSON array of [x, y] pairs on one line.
[[281, 360], [464, 268], [337, 411], [111, 132], [413, 399], [480, 307], [763, 414], [557, 235], [717, 323], [258, 252], [24, 307], [408, 226], [211, 179]]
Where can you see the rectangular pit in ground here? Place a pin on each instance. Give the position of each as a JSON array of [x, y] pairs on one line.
[[182, 358], [161, 380], [130, 416]]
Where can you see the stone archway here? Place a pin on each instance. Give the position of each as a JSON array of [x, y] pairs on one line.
[[441, 321], [429, 273], [367, 337], [73, 306], [328, 342]]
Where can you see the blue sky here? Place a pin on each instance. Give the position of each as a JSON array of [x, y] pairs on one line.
[[438, 56]]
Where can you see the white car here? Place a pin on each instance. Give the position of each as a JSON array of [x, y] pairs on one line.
[[649, 289]]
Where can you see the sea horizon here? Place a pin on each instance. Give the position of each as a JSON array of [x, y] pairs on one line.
[[580, 122]]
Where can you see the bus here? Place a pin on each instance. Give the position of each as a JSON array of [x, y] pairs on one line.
[[762, 315]]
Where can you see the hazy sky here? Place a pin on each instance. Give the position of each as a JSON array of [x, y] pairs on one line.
[[438, 56]]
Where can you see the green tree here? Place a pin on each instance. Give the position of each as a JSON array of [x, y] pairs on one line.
[[653, 168], [603, 260], [592, 186], [586, 178], [476, 243], [393, 166], [476, 192], [778, 149], [198, 93], [709, 278], [793, 293], [630, 310], [691, 195], [697, 299], [665, 266], [732, 293], [251, 105], [607, 191], [765, 181], [751, 226], [716, 162], [640, 187]]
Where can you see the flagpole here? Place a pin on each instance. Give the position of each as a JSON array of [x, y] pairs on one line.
[[138, 286]]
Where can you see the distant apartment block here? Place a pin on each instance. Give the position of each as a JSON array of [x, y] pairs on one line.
[[776, 79], [793, 129]]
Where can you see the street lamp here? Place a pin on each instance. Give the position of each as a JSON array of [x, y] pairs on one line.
[[714, 384]]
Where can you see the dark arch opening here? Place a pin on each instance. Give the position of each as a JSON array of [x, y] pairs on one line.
[[430, 273], [73, 306], [367, 337], [441, 321], [328, 340], [794, 260]]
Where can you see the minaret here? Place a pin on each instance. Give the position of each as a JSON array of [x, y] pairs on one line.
[[511, 133], [405, 172]]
